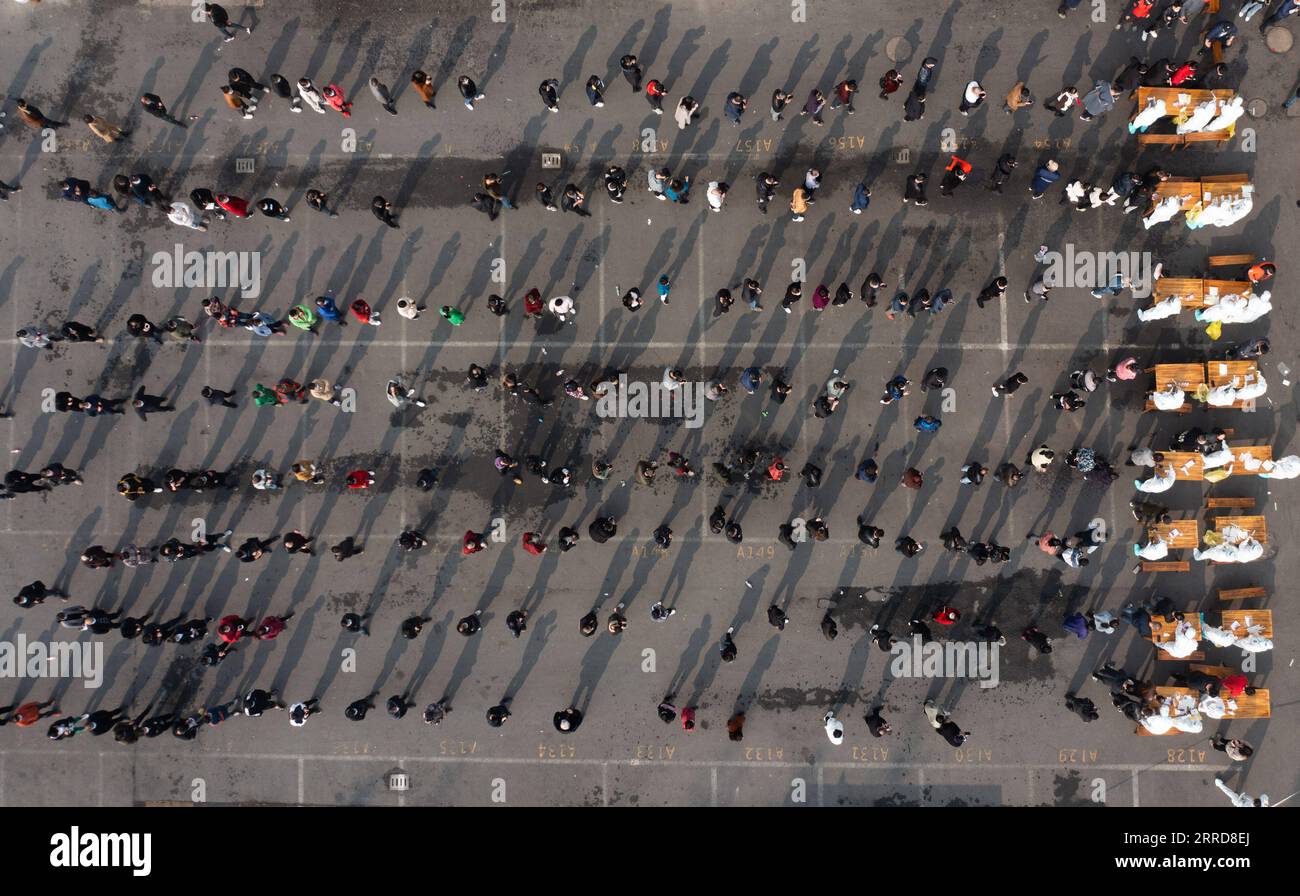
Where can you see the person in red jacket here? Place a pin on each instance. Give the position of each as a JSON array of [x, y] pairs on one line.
[[1235, 686], [533, 305], [655, 93], [28, 714], [271, 627], [688, 719], [472, 543], [233, 205], [1183, 73], [777, 469], [364, 313], [231, 628], [361, 479], [533, 544], [338, 102], [946, 615]]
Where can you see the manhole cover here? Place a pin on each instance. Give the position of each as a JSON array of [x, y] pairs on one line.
[[900, 50], [1256, 108], [1279, 39]]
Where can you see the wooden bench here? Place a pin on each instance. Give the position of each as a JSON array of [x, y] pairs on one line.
[[1165, 566], [1216, 671], [1225, 261], [1194, 655], [1206, 137], [1230, 504], [1242, 593], [1160, 140], [1247, 618]]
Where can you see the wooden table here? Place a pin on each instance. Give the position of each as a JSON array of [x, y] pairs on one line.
[[1189, 466], [1171, 97], [1196, 292], [1260, 453], [1191, 191], [1162, 627], [1190, 289], [1187, 189], [1262, 618], [1255, 525], [1189, 534], [1222, 373], [1254, 706], [1189, 377]]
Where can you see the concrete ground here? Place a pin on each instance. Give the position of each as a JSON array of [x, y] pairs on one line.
[[64, 261]]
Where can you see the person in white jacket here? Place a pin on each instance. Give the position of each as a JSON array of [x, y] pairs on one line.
[[1184, 643], [834, 730], [310, 95], [1156, 549], [1283, 468], [1170, 398], [1169, 307], [1162, 481], [183, 214], [1242, 800], [1245, 552]]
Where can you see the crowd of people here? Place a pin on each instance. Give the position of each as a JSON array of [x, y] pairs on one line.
[[246, 95]]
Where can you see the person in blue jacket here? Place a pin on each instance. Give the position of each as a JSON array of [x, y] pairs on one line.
[[1046, 175]]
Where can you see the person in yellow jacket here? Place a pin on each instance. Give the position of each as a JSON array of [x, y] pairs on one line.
[[109, 133], [798, 204]]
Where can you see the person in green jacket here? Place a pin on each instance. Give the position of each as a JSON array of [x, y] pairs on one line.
[[454, 316], [262, 396], [303, 318]]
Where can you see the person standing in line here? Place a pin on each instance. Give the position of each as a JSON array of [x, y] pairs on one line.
[[596, 91], [631, 68], [217, 15], [1099, 100], [780, 99], [654, 94], [844, 92], [385, 97], [890, 81], [687, 111], [1018, 98], [1009, 385], [424, 87], [972, 97], [1046, 175], [735, 107], [469, 91], [814, 106], [550, 93]]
